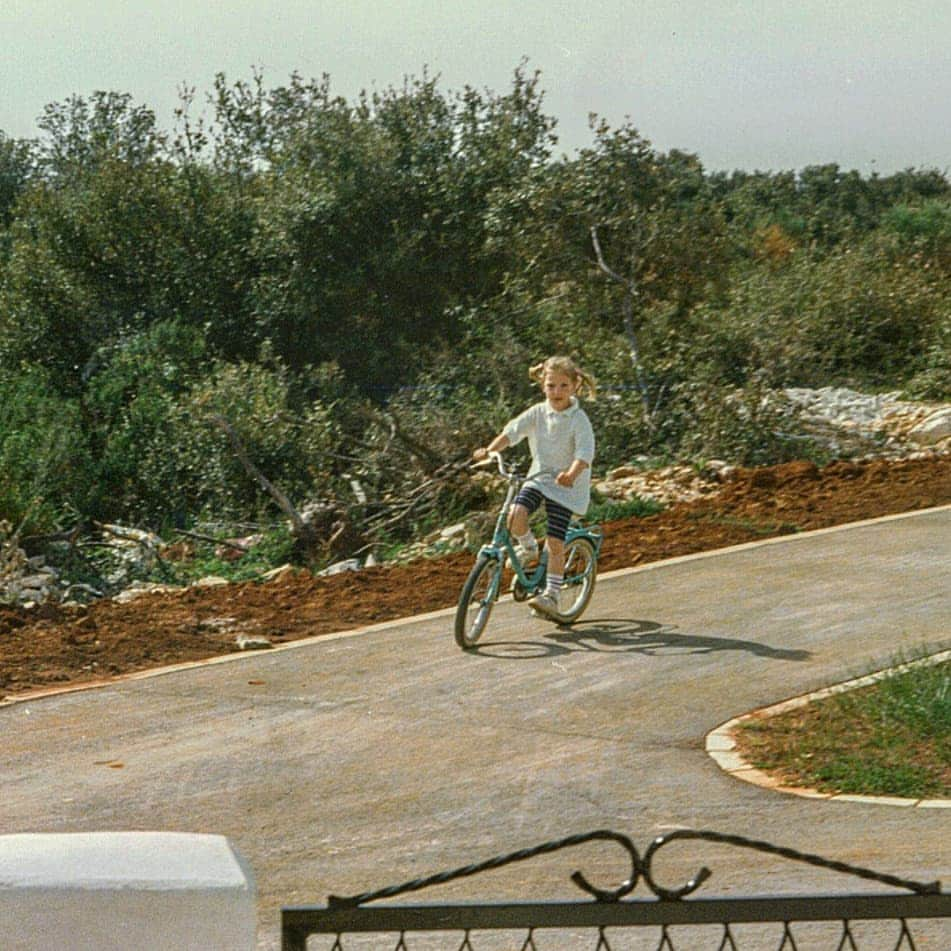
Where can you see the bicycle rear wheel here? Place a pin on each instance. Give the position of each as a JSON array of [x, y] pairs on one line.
[[581, 571], [476, 600]]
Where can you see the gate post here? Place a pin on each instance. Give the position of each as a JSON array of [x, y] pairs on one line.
[[111, 891]]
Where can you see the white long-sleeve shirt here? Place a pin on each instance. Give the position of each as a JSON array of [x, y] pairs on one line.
[[556, 439]]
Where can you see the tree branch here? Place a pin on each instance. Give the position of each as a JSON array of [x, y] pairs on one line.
[[299, 527], [631, 292]]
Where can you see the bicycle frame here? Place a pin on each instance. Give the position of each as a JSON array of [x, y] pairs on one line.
[[502, 546]]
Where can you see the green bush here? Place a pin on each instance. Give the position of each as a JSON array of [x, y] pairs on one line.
[[47, 466], [923, 229], [933, 380], [191, 468], [608, 510], [128, 397], [856, 317]]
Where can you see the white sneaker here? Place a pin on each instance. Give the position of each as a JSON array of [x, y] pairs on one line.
[[545, 604], [527, 554]]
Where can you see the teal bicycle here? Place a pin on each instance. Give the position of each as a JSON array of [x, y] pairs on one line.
[[484, 584]]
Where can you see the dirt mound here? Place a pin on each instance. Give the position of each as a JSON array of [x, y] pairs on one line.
[[54, 645]]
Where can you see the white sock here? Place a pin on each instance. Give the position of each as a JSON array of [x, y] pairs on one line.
[[553, 584]]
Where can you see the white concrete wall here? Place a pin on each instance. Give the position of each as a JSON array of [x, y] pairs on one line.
[[106, 891]]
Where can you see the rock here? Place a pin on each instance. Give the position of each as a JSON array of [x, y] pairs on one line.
[[79, 588], [868, 426], [718, 470], [210, 581], [134, 535], [218, 623], [129, 594], [237, 548], [252, 642], [34, 596], [35, 581], [139, 588], [275, 573], [623, 472], [667, 485], [348, 564], [933, 429]]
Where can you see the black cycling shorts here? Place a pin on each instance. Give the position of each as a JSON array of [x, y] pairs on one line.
[[556, 514]]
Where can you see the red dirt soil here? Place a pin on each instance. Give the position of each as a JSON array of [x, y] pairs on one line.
[[54, 646]]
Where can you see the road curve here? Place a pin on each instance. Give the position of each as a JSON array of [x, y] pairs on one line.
[[354, 762]]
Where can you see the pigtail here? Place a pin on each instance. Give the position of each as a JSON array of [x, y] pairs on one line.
[[536, 373], [587, 385]]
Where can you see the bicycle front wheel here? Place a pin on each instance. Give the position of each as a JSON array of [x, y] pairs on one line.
[[581, 570], [476, 600]]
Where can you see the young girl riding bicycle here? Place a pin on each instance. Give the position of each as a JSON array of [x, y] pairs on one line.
[[561, 442]]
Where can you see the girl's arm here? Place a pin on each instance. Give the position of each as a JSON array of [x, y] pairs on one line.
[[568, 476], [497, 445], [584, 449]]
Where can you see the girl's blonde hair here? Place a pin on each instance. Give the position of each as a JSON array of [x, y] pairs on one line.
[[583, 380]]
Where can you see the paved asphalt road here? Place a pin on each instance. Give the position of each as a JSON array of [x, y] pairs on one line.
[[354, 762]]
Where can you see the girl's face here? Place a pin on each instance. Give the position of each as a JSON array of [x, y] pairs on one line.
[[558, 389]]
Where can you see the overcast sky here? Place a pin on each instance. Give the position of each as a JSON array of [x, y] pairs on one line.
[[752, 85]]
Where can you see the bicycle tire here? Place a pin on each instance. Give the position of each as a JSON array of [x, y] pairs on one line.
[[581, 572], [469, 628]]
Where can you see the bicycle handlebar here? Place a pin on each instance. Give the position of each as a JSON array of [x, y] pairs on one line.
[[496, 457], [508, 472]]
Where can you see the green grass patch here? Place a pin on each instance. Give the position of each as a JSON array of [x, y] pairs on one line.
[[613, 510], [275, 548], [892, 738]]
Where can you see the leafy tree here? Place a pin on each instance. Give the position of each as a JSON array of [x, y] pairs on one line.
[[126, 402], [81, 134], [115, 237], [855, 317], [373, 218], [17, 169]]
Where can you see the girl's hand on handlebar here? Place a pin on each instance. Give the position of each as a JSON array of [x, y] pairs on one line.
[[480, 454]]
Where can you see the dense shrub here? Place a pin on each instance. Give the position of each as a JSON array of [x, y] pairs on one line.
[[855, 317], [47, 468], [192, 466], [343, 297]]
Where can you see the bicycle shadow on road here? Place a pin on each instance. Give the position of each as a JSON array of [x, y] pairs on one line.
[[629, 635]]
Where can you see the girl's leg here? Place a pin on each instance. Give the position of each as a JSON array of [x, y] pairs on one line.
[[518, 520], [556, 556], [526, 547], [526, 502], [558, 518]]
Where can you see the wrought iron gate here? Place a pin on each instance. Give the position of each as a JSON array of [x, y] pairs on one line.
[[607, 918]]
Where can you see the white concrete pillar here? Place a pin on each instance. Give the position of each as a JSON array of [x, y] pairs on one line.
[[106, 891]]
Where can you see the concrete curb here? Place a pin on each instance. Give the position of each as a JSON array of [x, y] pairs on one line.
[[722, 747]]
